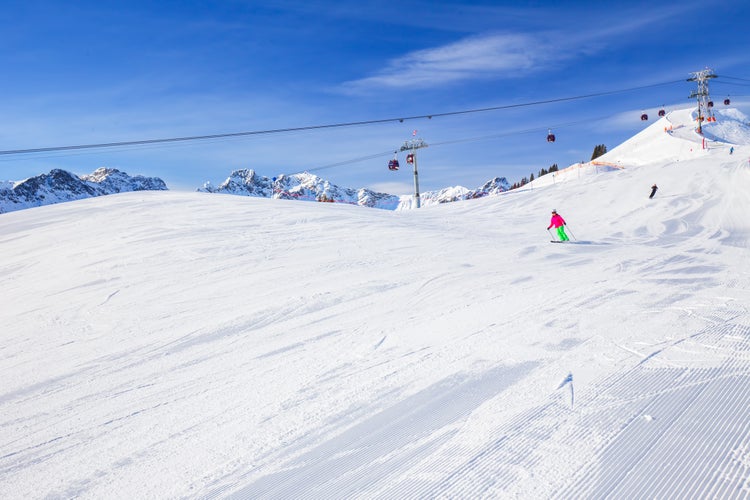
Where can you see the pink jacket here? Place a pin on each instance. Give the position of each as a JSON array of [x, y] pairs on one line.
[[556, 221]]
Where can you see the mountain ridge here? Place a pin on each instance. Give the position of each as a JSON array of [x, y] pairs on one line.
[[60, 185], [310, 187]]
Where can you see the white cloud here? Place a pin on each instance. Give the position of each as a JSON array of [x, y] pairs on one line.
[[469, 58], [506, 55]]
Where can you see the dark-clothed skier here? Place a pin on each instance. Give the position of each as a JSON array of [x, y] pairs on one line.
[[653, 191]]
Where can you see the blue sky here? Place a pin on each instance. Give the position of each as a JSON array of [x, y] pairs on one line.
[[90, 72]]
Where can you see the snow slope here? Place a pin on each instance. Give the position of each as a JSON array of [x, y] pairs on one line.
[[670, 139], [167, 344]]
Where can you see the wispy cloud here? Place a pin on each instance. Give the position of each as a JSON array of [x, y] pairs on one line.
[[470, 58], [508, 55]]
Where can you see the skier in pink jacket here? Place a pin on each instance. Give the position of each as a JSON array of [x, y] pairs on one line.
[[558, 222]]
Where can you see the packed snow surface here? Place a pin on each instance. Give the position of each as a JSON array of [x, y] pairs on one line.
[[172, 345]]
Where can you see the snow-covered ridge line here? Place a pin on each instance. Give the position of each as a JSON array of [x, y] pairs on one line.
[[310, 187], [61, 185]]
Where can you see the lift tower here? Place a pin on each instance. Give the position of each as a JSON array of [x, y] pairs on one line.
[[412, 145], [701, 94]]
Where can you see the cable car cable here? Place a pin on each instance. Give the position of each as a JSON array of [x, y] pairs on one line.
[[326, 126], [733, 78], [457, 141]]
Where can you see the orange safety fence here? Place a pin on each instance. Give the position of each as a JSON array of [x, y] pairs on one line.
[[606, 164]]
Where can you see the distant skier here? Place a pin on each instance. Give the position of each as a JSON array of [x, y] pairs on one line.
[[731, 150], [653, 191], [559, 223]]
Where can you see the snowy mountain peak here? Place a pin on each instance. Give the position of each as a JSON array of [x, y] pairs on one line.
[[495, 186], [243, 181], [302, 186], [60, 185], [310, 187]]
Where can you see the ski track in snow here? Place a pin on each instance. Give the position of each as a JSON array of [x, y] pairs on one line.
[[667, 424]]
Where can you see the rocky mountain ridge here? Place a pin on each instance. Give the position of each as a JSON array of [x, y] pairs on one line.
[[310, 187], [60, 185]]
